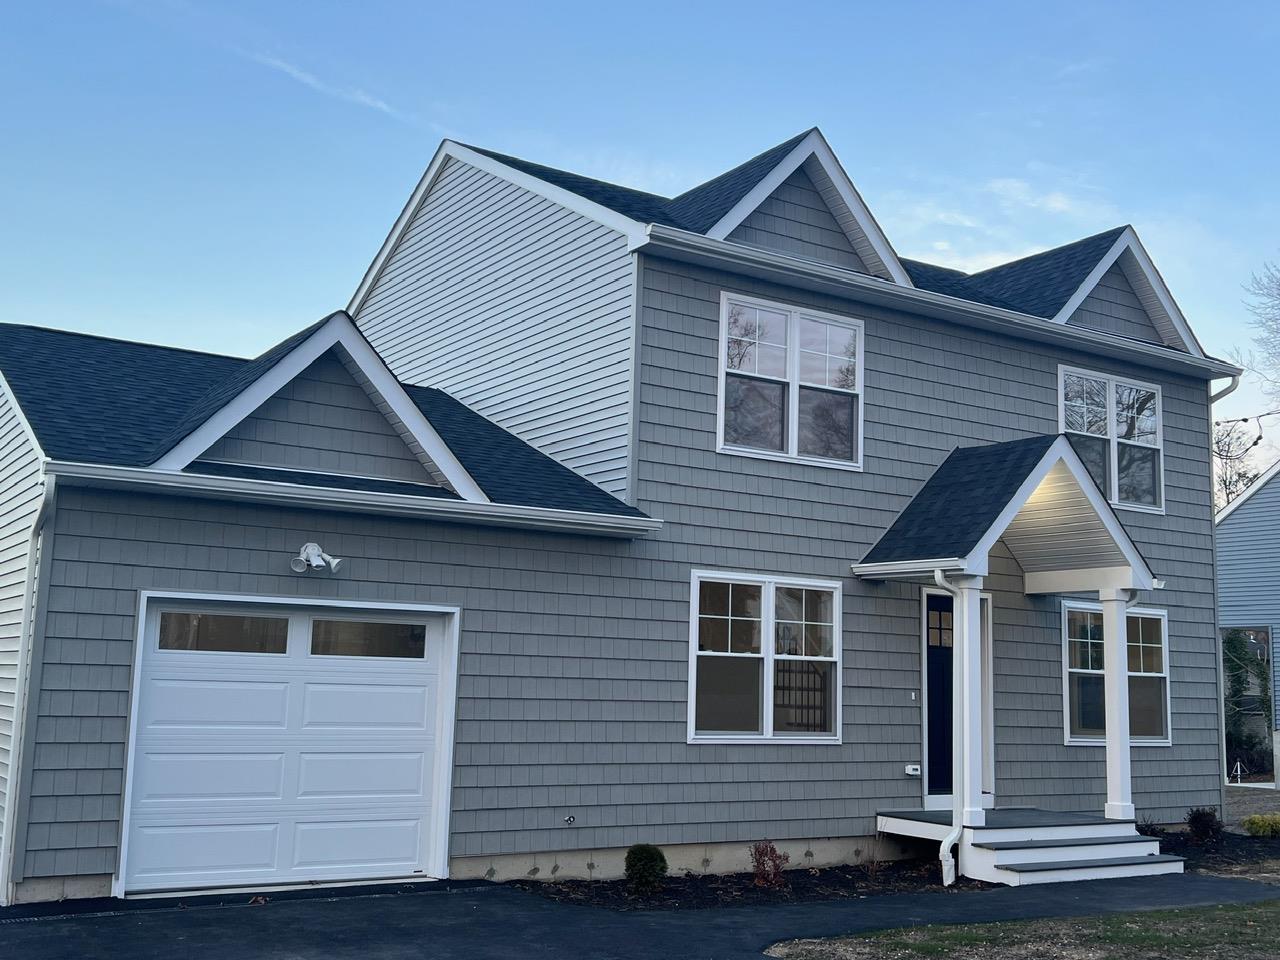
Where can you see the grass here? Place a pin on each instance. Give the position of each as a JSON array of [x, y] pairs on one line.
[[1243, 932]]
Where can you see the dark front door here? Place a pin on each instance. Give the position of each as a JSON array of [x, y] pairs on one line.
[[937, 638]]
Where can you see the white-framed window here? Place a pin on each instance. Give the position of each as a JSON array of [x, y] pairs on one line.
[[764, 658], [790, 383], [1117, 427], [1147, 654]]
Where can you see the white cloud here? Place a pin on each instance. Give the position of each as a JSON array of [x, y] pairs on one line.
[[353, 95]]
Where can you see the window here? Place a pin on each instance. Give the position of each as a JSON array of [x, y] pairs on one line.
[[223, 633], [764, 658], [359, 638], [1147, 655], [792, 383], [1115, 427]]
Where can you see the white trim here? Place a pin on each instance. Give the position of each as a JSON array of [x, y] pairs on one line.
[[792, 381], [337, 331], [633, 230], [1253, 488], [815, 144], [768, 584], [1128, 240], [682, 245], [358, 501], [1067, 670], [7, 391], [442, 776], [1114, 441]]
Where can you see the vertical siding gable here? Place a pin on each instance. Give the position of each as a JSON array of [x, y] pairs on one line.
[[1114, 307], [520, 308], [795, 219], [324, 421]]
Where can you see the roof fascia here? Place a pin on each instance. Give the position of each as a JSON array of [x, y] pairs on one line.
[[633, 230], [1253, 488], [815, 144], [23, 422], [337, 331], [358, 501], [766, 264], [1128, 240]]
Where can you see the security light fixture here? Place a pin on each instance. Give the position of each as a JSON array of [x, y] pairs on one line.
[[311, 557]]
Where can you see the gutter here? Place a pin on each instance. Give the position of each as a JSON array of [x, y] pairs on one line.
[[780, 268], [355, 501], [20, 699]]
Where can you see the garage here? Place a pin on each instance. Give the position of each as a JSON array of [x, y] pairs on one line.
[[275, 744]]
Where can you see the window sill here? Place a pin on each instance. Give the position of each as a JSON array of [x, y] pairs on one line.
[[1091, 742], [807, 741], [787, 458], [1138, 508]]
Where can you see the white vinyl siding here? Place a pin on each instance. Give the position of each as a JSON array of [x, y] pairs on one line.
[[519, 308]]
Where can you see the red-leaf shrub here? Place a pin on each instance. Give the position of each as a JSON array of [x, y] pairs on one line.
[[767, 864]]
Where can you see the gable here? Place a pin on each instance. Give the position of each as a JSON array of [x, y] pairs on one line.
[[796, 219], [1114, 307], [323, 421]]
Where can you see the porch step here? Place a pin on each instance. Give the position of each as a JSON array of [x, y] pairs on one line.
[[1060, 842], [1099, 869]]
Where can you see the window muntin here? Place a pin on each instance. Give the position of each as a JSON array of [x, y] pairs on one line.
[[1147, 657], [368, 638], [223, 632], [765, 658], [792, 382], [1115, 427]]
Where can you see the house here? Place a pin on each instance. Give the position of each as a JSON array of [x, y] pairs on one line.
[[1249, 596], [600, 517]]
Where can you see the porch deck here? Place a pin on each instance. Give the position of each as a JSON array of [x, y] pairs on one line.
[[1002, 818]]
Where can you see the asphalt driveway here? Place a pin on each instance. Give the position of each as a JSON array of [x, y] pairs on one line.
[[490, 922]]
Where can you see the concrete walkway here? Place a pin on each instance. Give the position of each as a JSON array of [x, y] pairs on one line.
[[499, 923]]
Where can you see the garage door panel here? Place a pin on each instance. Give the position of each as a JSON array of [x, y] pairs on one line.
[[200, 777], [366, 706], [161, 853], [358, 845], [186, 702], [371, 775]]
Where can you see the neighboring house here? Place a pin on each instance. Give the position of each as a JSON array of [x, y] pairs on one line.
[[856, 550], [1248, 545]]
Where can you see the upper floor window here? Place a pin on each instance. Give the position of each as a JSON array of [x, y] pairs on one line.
[[790, 383], [1116, 427]]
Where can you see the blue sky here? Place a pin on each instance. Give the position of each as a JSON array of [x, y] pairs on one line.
[[215, 175]]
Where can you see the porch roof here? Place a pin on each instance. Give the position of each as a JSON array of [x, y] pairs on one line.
[[1036, 495]]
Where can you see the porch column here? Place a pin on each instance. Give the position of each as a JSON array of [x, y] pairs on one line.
[[1116, 689], [966, 780]]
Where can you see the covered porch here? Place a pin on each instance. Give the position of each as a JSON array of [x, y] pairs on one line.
[[1037, 498]]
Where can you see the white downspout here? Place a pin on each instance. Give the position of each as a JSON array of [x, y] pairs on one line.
[[957, 829], [1226, 391], [25, 638]]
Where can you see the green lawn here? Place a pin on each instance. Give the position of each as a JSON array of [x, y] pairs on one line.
[[1250, 932]]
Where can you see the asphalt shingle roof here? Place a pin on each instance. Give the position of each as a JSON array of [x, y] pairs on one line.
[[93, 399], [959, 503]]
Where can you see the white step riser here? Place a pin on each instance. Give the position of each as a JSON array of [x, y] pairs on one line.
[[1097, 873], [986, 861], [984, 835]]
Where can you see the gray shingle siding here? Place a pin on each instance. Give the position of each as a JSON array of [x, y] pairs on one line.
[[1113, 307], [1249, 570], [20, 480], [521, 309], [322, 420], [795, 219]]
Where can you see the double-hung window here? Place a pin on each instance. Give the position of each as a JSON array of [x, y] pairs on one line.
[[1115, 426], [764, 659], [791, 383], [1147, 663]]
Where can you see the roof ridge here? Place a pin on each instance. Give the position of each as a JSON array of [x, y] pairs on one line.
[[133, 343], [790, 141], [506, 157], [1058, 249]]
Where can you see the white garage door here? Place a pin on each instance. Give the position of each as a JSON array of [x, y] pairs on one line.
[[278, 745]]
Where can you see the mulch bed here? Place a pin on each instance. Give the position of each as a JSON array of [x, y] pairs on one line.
[[695, 891], [1226, 851]]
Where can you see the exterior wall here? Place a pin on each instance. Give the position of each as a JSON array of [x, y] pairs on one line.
[[1249, 570], [322, 421], [21, 483], [1113, 307], [929, 387], [795, 219], [521, 309]]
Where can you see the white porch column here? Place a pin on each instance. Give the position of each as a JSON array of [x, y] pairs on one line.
[[1116, 689], [966, 780]]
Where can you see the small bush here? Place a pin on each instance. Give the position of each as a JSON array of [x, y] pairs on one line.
[[1262, 825], [646, 866], [767, 863], [1203, 823]]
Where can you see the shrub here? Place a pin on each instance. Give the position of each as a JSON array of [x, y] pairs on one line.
[[1262, 825], [646, 866], [767, 863], [1203, 823]]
